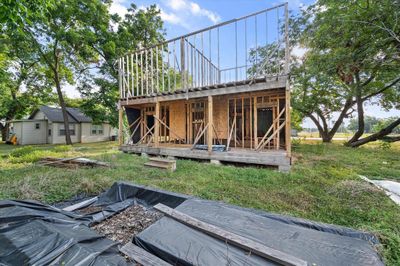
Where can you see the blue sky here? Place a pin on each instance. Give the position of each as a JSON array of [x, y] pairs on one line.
[[184, 16]]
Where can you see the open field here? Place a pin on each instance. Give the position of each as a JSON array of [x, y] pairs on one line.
[[323, 185]]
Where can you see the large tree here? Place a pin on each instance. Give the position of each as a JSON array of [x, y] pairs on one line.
[[23, 85], [63, 37], [344, 68], [139, 28]]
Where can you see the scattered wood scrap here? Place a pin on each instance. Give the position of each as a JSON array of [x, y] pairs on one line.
[[141, 256], [122, 227], [80, 205], [72, 163], [234, 239]]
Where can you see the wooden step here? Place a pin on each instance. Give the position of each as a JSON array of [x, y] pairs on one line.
[[171, 167], [162, 160], [141, 256]]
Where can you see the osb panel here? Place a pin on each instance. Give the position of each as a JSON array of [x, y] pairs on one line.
[[177, 118], [221, 116]]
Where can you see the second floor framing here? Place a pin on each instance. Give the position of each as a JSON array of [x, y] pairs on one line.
[[239, 54]]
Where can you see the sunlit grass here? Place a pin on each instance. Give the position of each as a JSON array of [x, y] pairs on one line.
[[323, 184]]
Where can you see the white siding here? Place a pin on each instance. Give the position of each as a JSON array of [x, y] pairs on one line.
[[87, 135], [39, 116], [57, 139], [27, 133]]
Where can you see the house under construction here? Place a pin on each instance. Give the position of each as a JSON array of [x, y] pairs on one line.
[[221, 93]]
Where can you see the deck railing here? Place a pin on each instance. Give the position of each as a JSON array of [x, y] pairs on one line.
[[236, 51]]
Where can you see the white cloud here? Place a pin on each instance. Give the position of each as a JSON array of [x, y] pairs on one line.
[[298, 51], [118, 6], [185, 10]]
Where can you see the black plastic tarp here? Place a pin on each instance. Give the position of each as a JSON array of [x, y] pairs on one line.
[[316, 243], [36, 233], [32, 233]]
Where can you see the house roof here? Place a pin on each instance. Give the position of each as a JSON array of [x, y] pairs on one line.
[[54, 114]]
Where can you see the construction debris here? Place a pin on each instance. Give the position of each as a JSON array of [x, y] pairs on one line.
[[125, 225], [72, 163]]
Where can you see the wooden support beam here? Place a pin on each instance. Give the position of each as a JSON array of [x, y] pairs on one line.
[[141, 256], [245, 243], [210, 124], [255, 122], [288, 131], [165, 125], [242, 122], [157, 125], [251, 124], [199, 136], [120, 126], [269, 130]]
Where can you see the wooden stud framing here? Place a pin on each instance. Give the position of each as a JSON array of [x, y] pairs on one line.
[[210, 124], [120, 126], [288, 121], [255, 122], [157, 125]]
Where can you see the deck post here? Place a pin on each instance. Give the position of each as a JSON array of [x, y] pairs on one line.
[[255, 122], [210, 124], [157, 125], [288, 130], [120, 125]]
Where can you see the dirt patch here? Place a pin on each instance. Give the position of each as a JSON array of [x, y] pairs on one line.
[[355, 188], [123, 226], [90, 209]]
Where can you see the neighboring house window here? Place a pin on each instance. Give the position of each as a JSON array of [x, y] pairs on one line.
[[49, 132], [71, 130], [97, 129], [37, 126]]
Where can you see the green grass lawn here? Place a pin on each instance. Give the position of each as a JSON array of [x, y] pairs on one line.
[[323, 184]]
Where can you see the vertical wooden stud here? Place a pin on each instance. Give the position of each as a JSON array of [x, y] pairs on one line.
[[120, 126], [157, 125], [255, 122], [210, 124], [287, 121]]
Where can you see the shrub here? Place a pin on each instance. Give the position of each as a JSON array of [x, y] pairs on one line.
[[19, 152], [62, 148]]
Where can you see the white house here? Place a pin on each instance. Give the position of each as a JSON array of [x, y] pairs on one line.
[[46, 125]]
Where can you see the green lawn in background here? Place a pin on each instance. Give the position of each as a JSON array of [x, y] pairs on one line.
[[323, 184]]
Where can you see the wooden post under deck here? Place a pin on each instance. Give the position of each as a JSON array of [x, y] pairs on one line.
[[120, 125], [210, 124], [287, 121], [255, 122], [157, 125]]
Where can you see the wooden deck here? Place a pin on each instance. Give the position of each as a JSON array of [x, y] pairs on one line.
[[277, 158], [250, 85]]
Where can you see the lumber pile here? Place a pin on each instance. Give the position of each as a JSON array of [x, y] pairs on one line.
[[161, 163], [71, 163]]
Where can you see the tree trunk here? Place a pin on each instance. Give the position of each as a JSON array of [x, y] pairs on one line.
[[63, 109], [3, 129], [361, 124], [323, 130], [378, 135]]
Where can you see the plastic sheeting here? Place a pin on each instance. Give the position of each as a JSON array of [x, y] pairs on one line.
[[316, 243], [32, 233], [35, 233]]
